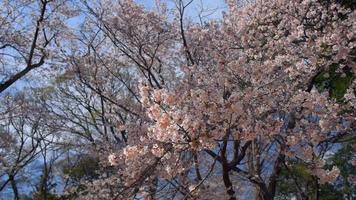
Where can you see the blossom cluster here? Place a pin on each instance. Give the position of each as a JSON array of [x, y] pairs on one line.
[[254, 81]]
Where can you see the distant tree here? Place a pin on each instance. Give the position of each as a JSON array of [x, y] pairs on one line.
[[20, 139]]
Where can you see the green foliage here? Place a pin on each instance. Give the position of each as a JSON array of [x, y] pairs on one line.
[[298, 176], [85, 168], [348, 3], [295, 178], [49, 196], [328, 192], [342, 160], [336, 81]]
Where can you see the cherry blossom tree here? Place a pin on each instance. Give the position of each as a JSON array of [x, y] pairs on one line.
[[28, 33], [248, 97], [172, 108], [22, 135]]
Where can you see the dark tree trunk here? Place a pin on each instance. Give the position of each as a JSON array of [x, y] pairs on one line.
[[14, 187]]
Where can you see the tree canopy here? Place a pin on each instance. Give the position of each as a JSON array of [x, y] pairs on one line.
[[116, 100]]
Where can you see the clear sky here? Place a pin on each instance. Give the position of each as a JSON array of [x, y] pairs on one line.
[[214, 8]]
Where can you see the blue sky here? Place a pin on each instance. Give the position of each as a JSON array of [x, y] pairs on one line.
[[212, 5], [214, 10]]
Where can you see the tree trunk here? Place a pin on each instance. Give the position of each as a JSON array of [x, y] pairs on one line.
[[257, 193], [14, 187], [228, 185]]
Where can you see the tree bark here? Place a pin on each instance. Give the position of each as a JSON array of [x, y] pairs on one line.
[[225, 170], [14, 187]]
